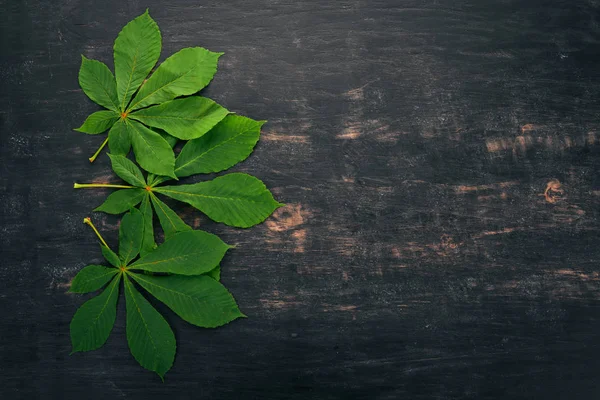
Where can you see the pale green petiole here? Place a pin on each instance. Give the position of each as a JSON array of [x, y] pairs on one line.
[[88, 221], [100, 185], [93, 158]]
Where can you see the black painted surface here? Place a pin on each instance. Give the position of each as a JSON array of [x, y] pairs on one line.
[[440, 162]]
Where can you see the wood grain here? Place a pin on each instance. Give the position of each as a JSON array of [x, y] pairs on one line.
[[440, 165]]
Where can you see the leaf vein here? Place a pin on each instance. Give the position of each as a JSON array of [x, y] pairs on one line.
[[129, 286], [213, 148], [162, 87]]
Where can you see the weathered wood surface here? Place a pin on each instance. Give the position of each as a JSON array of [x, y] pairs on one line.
[[440, 161]]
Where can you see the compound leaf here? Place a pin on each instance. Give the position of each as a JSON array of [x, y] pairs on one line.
[[122, 200], [93, 321], [150, 338], [184, 73], [185, 253], [236, 199], [229, 142], [92, 278], [186, 118], [200, 300], [136, 51]]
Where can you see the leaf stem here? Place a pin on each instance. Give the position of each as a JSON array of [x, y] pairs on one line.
[[100, 185], [88, 221], [93, 158]]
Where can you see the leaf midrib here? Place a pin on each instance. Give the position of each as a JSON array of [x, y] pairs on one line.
[[141, 136], [126, 257], [135, 172], [157, 202], [204, 302], [199, 118], [136, 266], [114, 116], [182, 294], [92, 325], [162, 190], [111, 271], [137, 50], [211, 149], [105, 91], [139, 179], [139, 311], [163, 86]]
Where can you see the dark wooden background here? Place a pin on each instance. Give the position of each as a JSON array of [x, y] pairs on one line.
[[440, 161]]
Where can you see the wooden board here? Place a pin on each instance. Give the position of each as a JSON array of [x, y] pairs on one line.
[[440, 165]]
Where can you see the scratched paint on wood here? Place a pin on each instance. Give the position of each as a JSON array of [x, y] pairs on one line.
[[440, 165]]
